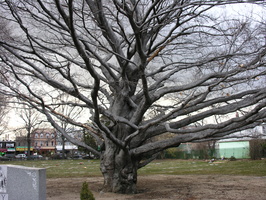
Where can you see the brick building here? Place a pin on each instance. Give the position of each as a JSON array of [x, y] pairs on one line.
[[43, 141]]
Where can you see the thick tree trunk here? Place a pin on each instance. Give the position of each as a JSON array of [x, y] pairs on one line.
[[28, 144], [119, 170], [63, 147]]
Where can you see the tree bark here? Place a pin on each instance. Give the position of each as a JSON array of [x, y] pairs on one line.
[[119, 170], [63, 147], [28, 138]]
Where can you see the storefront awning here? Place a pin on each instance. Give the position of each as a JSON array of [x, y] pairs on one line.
[[47, 148], [23, 148], [67, 147], [11, 149]]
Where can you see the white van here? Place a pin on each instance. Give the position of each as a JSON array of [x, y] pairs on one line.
[[21, 156]]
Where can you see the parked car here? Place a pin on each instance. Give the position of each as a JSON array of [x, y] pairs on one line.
[[77, 156], [4, 158], [10, 156], [88, 156], [21, 156], [36, 157]]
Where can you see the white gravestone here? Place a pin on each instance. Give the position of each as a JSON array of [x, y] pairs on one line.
[[22, 183]]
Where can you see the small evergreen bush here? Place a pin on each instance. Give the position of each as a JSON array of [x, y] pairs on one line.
[[232, 158], [85, 193]]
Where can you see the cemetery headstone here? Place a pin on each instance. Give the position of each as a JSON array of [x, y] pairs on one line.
[[22, 183]]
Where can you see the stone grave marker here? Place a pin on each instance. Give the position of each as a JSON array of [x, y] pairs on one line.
[[22, 183]]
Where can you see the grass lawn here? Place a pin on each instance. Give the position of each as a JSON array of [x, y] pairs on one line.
[[199, 167], [62, 168], [85, 168]]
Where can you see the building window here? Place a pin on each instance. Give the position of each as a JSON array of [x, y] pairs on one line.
[[52, 135], [41, 143], [52, 143], [41, 135], [36, 144], [36, 135], [47, 135], [47, 144]]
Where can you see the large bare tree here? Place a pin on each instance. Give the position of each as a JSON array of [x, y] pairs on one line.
[[138, 69], [4, 35], [30, 120], [3, 104], [3, 113], [70, 112]]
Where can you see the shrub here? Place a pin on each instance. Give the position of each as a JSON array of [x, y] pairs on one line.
[[85, 193], [232, 158], [170, 153]]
